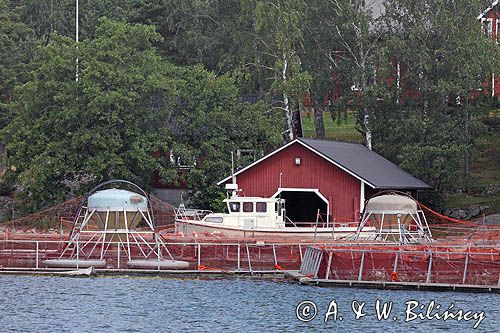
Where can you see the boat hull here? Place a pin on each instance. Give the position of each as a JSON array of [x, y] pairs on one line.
[[190, 227]]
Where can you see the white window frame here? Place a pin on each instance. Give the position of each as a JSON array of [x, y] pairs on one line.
[[489, 31]]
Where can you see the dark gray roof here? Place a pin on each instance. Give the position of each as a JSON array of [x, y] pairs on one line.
[[366, 164]]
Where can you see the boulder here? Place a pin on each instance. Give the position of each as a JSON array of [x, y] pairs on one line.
[[465, 213]]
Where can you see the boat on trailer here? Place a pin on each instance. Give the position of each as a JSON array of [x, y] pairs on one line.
[[258, 217]]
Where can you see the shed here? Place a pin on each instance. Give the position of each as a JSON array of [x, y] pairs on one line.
[[334, 177]]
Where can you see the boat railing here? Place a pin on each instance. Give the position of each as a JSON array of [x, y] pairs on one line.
[[293, 223], [183, 213]]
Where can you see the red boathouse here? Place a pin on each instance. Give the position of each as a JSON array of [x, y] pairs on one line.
[[334, 177]]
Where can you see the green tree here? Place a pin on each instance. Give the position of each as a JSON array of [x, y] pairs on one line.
[[16, 49], [358, 54], [196, 32], [443, 61], [103, 126], [47, 17], [276, 43], [127, 103]]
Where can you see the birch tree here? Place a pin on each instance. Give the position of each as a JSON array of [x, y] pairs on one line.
[[278, 39], [355, 51]]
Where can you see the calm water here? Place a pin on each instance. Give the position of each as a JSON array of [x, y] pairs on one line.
[[49, 304]]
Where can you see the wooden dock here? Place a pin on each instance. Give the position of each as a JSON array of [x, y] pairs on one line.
[[297, 276]]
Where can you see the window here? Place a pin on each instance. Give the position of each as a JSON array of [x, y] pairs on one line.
[[261, 207], [214, 219], [248, 207], [234, 206], [487, 26], [498, 31]]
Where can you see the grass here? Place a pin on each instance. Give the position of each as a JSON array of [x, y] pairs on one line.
[[485, 160], [464, 200], [338, 131], [484, 170]]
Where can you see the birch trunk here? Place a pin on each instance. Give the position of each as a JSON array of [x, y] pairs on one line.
[[318, 118], [286, 102]]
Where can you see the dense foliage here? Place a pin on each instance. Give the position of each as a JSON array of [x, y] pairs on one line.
[[155, 77]]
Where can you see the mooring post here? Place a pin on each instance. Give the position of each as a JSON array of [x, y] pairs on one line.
[[465, 267], [36, 254], [429, 269], [360, 275]]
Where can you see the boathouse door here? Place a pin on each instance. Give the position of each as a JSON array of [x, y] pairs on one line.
[[302, 204]]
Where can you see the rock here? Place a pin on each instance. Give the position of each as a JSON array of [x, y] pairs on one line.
[[493, 219], [458, 213], [474, 210], [465, 213], [488, 190]]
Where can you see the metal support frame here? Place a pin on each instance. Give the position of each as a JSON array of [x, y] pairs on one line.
[[329, 266], [249, 261], [110, 235], [403, 235], [37, 247], [198, 255], [465, 267], [429, 269], [360, 274]]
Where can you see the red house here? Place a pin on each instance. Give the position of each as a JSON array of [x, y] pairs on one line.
[[334, 177], [490, 25]]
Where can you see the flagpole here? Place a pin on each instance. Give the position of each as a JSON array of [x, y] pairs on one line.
[[77, 16]]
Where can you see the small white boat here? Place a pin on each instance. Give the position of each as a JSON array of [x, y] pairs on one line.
[[257, 217], [80, 272]]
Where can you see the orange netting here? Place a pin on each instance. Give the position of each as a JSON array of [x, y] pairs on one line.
[[477, 266], [60, 217]]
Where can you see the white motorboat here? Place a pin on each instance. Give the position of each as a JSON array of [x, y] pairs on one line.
[[258, 217]]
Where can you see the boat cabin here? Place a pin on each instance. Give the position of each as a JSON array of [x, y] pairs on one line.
[[254, 205], [252, 212]]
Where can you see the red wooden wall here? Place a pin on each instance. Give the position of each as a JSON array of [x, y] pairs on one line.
[[340, 188]]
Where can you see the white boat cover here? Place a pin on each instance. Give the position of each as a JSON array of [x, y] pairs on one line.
[[391, 203]]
